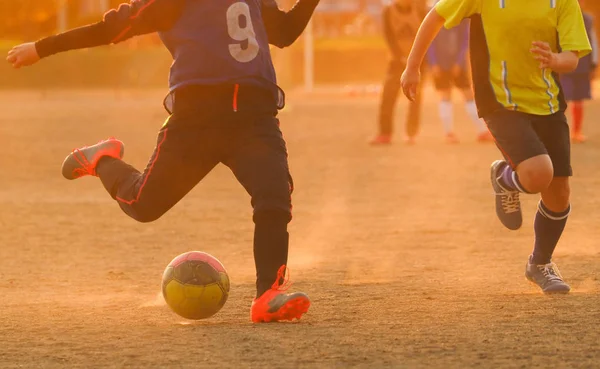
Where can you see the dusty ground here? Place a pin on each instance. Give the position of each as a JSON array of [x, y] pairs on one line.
[[398, 247]]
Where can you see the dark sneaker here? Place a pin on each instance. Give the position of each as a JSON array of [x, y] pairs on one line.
[[82, 162], [547, 277], [508, 204], [275, 305]]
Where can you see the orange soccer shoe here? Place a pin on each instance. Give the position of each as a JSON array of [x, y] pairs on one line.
[[275, 305], [82, 162]]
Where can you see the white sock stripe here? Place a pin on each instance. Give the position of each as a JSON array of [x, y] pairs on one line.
[[516, 183], [551, 217]]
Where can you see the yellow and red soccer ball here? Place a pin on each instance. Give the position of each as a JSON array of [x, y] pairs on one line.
[[195, 285]]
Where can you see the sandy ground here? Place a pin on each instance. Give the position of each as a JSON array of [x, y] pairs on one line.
[[398, 247]]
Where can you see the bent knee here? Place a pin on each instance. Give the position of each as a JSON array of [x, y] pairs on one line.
[[558, 196], [141, 214], [147, 218], [536, 174], [274, 214]]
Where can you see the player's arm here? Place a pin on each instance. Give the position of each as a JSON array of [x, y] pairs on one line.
[[429, 29], [574, 42], [448, 13], [594, 44], [562, 62], [283, 28], [135, 18]]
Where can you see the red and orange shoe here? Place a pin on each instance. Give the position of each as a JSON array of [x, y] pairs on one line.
[[275, 305], [577, 137], [452, 139], [82, 162], [381, 140], [485, 137]]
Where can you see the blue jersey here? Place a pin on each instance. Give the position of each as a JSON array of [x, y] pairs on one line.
[[450, 47], [219, 41], [212, 41]]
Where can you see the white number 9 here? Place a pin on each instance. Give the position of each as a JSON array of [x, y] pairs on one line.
[[240, 33]]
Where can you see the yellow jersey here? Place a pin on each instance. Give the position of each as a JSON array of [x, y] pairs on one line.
[[505, 73]]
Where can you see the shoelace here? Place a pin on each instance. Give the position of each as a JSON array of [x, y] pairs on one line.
[[550, 271], [284, 278], [510, 200], [85, 166]]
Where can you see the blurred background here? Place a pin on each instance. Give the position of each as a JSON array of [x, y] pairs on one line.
[[343, 45]]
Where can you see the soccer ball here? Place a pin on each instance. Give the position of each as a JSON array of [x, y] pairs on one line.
[[195, 285]]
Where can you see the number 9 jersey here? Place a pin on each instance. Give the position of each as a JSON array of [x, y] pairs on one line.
[[211, 41], [219, 41]]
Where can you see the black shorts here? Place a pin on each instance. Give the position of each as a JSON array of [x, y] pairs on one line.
[[446, 80], [522, 136]]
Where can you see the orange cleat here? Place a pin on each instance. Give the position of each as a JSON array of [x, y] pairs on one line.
[[381, 140], [275, 305], [410, 140], [578, 138], [82, 162], [484, 137]]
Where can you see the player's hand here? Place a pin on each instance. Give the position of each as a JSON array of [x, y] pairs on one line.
[[543, 53], [410, 81], [23, 55]]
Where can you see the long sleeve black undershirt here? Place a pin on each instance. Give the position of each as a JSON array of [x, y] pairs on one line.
[[147, 16]]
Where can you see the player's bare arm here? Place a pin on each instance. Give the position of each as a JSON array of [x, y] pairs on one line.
[[128, 20], [563, 62], [429, 29], [283, 28]]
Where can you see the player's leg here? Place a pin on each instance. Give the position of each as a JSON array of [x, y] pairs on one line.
[[554, 207], [527, 167], [463, 83], [577, 119], [582, 91], [173, 170], [258, 159], [443, 84], [387, 106], [576, 88]]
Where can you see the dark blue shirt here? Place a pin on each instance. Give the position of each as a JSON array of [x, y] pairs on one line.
[[211, 41], [219, 41], [450, 47]]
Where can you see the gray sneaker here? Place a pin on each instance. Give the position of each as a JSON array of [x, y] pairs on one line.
[[508, 203], [547, 276], [82, 162]]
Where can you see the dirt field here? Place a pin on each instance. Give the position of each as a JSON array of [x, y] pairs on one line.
[[398, 247]]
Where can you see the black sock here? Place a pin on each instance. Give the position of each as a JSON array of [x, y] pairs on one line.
[[271, 242], [548, 227], [112, 172]]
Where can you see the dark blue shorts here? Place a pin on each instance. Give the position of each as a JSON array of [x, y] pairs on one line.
[[576, 87], [521, 136]]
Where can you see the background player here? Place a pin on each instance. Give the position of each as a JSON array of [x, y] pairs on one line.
[[401, 21], [515, 57], [224, 100], [577, 85], [447, 58]]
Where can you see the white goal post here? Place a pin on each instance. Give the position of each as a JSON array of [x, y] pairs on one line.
[[309, 58]]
